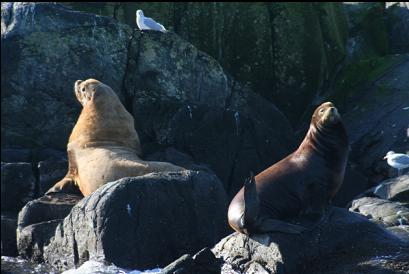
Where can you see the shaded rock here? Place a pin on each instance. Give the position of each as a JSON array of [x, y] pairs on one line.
[[45, 48], [354, 184], [378, 123], [398, 26], [37, 222], [381, 211], [368, 32], [47, 208], [288, 52], [51, 172], [183, 98], [32, 239], [17, 185], [14, 155], [49, 154], [8, 234], [180, 211], [14, 265], [345, 240], [184, 265], [395, 189], [401, 231], [202, 262]]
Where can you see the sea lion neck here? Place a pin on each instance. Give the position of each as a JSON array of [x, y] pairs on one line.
[[324, 140]]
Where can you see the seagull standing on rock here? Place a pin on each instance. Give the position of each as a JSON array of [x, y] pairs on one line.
[[397, 160], [146, 23]]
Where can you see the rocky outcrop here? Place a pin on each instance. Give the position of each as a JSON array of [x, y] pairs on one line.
[[8, 234], [17, 185], [289, 53], [45, 48], [345, 243], [179, 96], [182, 211], [50, 172], [37, 222], [203, 262], [395, 189], [377, 125], [387, 205]]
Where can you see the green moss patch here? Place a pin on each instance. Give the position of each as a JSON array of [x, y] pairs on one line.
[[356, 77]]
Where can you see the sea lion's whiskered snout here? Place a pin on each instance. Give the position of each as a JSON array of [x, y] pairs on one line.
[[84, 90], [330, 114]]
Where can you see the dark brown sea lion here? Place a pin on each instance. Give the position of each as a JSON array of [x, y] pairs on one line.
[[303, 183]]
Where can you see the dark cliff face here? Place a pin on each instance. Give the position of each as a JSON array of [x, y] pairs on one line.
[[289, 53], [179, 96]]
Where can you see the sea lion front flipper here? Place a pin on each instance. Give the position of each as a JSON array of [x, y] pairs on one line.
[[66, 185], [266, 225]]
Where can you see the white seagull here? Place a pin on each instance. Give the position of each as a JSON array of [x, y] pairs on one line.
[[146, 23], [397, 160]]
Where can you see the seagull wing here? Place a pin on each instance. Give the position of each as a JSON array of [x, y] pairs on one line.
[[401, 159], [152, 24]]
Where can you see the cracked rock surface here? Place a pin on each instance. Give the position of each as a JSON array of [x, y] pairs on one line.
[[142, 222]]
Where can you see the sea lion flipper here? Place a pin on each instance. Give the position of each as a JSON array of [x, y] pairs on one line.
[[66, 185], [271, 225], [243, 212], [251, 200]]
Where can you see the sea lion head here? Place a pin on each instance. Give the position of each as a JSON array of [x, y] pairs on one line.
[[88, 90], [326, 115]]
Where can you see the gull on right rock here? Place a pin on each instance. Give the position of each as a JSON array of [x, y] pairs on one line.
[[397, 160], [146, 23]]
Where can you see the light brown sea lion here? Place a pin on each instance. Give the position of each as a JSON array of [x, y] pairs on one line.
[[302, 183], [103, 146]]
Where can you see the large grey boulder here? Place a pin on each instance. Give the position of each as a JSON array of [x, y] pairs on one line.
[[45, 48], [37, 222], [387, 205], [142, 222], [382, 211], [345, 243], [183, 98], [395, 189]]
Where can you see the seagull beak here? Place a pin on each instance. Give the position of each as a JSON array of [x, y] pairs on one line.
[[385, 157]]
